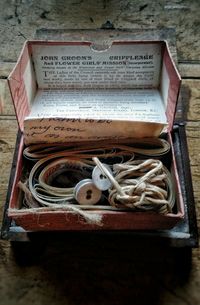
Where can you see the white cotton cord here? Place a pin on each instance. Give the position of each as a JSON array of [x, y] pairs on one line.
[[45, 193], [136, 184], [140, 185]]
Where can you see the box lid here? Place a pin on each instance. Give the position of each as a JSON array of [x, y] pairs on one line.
[[50, 75]]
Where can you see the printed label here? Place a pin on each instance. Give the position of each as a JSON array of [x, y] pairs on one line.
[[114, 104], [78, 66]]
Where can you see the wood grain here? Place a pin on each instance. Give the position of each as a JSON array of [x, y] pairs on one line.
[[102, 269], [190, 69], [6, 103], [18, 24], [8, 132]]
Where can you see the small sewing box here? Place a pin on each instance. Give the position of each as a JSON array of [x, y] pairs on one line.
[[100, 89]]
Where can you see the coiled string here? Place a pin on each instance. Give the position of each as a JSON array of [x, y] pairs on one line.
[[136, 184], [152, 147]]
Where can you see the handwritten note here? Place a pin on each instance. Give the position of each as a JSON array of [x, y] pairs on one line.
[[51, 131]]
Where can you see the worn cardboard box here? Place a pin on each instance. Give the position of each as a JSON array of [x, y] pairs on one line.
[[80, 91]]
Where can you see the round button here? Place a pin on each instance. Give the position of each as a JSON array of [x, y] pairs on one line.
[[100, 179], [86, 193]]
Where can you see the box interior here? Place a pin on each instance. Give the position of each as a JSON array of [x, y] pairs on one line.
[[68, 91], [46, 218]]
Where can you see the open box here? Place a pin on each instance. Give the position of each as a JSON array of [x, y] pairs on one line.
[[79, 91]]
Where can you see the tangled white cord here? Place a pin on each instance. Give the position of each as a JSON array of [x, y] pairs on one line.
[[140, 185], [136, 184]]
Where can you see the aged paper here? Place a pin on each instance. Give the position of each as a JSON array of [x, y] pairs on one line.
[[87, 95], [52, 130], [128, 65], [111, 104]]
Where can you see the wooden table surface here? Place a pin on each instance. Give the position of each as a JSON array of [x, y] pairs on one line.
[[95, 269]]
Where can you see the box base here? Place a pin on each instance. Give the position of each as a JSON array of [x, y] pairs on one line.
[[184, 233]]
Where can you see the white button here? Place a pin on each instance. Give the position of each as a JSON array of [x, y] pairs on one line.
[[100, 179], [86, 193]]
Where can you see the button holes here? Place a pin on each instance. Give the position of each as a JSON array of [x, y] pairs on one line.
[[89, 194], [102, 176]]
